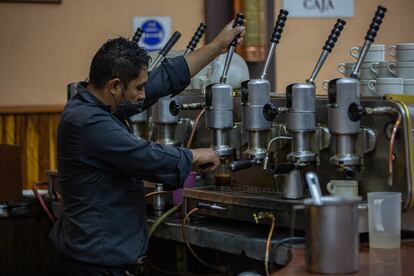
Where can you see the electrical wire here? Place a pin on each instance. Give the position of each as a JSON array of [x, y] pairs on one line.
[[41, 201], [190, 140], [390, 154], [269, 238], [157, 193], [189, 246], [281, 242], [162, 218]]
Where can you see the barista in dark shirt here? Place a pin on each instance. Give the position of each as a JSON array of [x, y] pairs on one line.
[[101, 164]]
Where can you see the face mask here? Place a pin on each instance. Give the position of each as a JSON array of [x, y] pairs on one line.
[[127, 109]]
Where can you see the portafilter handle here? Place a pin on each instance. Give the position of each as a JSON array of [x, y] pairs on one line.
[[241, 165], [277, 32], [196, 38], [170, 43], [175, 107], [369, 38], [327, 48], [238, 21]]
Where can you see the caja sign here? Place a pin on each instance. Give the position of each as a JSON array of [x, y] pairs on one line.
[[319, 8], [157, 31]]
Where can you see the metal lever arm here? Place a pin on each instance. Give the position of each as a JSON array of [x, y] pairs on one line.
[[170, 43], [327, 48], [238, 21], [369, 38], [138, 34], [277, 32], [196, 38]]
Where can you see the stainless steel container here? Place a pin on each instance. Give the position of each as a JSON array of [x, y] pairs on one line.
[[332, 242]]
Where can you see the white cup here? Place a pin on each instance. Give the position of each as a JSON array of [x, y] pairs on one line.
[[343, 188], [402, 52], [375, 53], [384, 69], [409, 87], [365, 71], [383, 86], [345, 68], [367, 88], [404, 69], [384, 218]]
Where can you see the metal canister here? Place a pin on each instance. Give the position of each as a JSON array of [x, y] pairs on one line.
[[332, 243]]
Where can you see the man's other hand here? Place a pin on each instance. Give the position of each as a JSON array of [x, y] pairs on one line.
[[205, 157]]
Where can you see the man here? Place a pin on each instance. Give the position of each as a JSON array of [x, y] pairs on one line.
[[101, 164]]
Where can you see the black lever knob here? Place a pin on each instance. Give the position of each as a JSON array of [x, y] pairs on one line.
[[269, 111], [280, 24], [238, 21], [355, 112], [196, 37], [138, 34], [170, 43], [174, 108], [375, 24], [240, 165], [335, 33]]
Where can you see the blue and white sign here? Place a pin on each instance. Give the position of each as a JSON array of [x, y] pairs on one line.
[[157, 31], [319, 8]]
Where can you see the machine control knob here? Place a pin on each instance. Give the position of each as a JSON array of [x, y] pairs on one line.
[[376, 23], [174, 108], [238, 21], [138, 34], [197, 36], [355, 112], [280, 24], [335, 33], [270, 111]]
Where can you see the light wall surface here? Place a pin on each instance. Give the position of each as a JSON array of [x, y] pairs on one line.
[[45, 46], [303, 38]]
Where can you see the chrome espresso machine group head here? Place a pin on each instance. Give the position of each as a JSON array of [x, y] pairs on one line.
[[164, 121], [255, 94], [218, 105], [343, 102]]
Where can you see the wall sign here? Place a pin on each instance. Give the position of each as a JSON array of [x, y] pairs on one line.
[[157, 31], [319, 8]]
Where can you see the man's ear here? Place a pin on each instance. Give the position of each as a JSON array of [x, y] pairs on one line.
[[114, 85]]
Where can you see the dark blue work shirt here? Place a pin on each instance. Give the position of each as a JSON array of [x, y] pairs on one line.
[[101, 166]]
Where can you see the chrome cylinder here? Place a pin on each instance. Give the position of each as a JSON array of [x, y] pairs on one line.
[[219, 117], [165, 123], [254, 123], [300, 121], [166, 135], [139, 124], [341, 94], [293, 185]]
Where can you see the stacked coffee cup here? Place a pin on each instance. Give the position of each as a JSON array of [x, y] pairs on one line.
[[380, 77]]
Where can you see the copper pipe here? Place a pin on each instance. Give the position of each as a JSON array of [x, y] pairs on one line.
[[190, 140], [41, 201], [157, 193], [392, 142], [269, 238]]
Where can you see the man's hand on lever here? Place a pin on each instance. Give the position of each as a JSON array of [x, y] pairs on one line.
[[198, 59], [205, 158]]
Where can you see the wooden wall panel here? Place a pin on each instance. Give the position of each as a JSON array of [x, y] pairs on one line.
[[36, 135]]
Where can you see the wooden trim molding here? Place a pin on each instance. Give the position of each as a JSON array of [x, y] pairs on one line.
[[36, 109]]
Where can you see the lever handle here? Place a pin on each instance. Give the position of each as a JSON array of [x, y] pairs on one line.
[[138, 34], [196, 37], [173, 39], [335, 33], [238, 21], [240, 165], [375, 24], [355, 112], [280, 24]]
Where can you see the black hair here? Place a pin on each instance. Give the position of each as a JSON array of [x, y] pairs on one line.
[[117, 58]]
